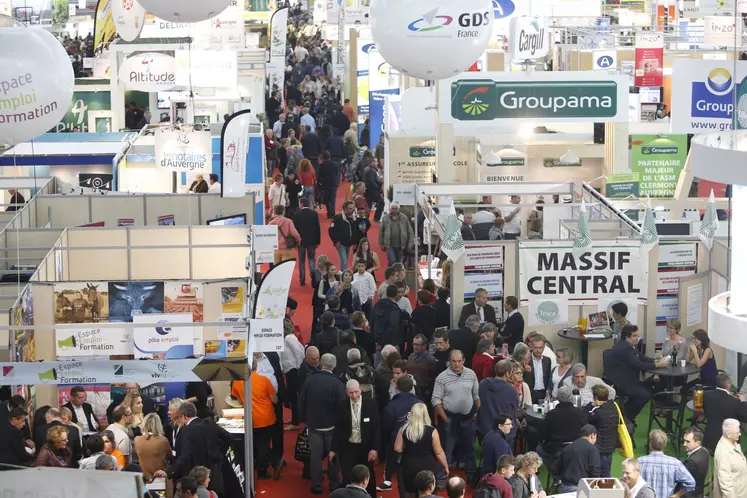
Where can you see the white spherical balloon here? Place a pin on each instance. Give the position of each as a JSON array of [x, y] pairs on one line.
[[36, 83], [431, 39], [185, 10]]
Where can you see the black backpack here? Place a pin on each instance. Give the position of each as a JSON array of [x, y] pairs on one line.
[[486, 492]]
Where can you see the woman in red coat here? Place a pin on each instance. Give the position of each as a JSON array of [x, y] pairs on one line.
[[482, 363]]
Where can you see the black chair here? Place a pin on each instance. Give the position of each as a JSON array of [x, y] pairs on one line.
[[666, 407]]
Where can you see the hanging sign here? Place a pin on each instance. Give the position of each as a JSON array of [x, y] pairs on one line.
[[149, 72], [206, 68], [129, 18], [604, 60], [91, 340], [552, 271], [529, 38], [723, 31], [181, 150], [234, 149], [272, 295], [157, 340], [658, 160], [649, 59], [268, 334]]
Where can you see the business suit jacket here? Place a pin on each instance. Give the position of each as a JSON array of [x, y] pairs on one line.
[[90, 417], [697, 464], [546, 373], [465, 341], [370, 426], [193, 448], [73, 440], [623, 365], [13, 447], [513, 330], [718, 405], [470, 309], [306, 222]]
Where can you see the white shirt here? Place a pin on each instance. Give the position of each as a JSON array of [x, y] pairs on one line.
[[265, 369], [355, 417], [293, 355], [308, 120], [301, 53], [278, 129], [483, 217], [214, 188], [404, 304], [513, 226], [366, 286], [121, 438], [638, 486], [539, 381], [277, 195], [80, 414]]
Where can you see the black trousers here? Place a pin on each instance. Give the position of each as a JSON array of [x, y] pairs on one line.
[[277, 434], [291, 382], [375, 197], [356, 454], [262, 448], [330, 199]]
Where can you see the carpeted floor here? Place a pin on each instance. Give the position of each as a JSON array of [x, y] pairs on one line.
[[290, 483]]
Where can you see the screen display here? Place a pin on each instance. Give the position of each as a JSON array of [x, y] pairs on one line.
[[237, 219]]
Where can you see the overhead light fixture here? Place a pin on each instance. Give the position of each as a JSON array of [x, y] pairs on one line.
[[569, 157], [526, 130]]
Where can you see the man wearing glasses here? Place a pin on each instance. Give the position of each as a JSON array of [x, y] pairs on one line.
[[579, 381], [121, 430]]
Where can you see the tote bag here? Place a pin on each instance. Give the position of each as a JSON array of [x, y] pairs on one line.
[[626, 443]]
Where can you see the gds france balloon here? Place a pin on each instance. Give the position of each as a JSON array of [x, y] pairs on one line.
[[431, 39], [36, 83], [185, 10]]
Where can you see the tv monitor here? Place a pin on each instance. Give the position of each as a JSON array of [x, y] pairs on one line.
[[236, 219]]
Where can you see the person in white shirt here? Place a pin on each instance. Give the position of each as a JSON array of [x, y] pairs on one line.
[[631, 470], [366, 285], [512, 229], [320, 83], [277, 192], [277, 127], [214, 184], [301, 53], [308, 120], [120, 428], [403, 301], [290, 360], [307, 85]]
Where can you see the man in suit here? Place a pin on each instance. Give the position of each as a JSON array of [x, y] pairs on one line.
[[130, 387], [697, 461], [479, 307], [14, 450], [718, 405], [538, 378], [307, 226], [623, 365], [82, 411], [513, 328], [328, 178], [16, 200], [15, 401], [465, 339], [357, 436], [54, 418]]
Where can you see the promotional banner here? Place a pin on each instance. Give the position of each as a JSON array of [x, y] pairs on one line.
[[272, 296], [548, 312], [129, 18], [155, 341], [160, 28], [377, 112], [181, 150], [103, 24], [561, 96], [234, 140], [278, 47], [81, 104], [65, 482], [604, 59], [552, 271], [723, 31], [206, 68], [365, 46], [483, 258], [149, 72], [649, 59], [265, 240], [224, 31], [268, 334], [622, 185], [275, 75], [529, 38], [692, 9], [92, 340], [658, 160]]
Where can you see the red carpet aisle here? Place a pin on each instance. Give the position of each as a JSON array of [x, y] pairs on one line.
[[290, 484]]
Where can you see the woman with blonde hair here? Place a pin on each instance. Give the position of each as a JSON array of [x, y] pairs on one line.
[[277, 193], [135, 403], [67, 419], [420, 446], [55, 452], [525, 483], [153, 449], [674, 340]]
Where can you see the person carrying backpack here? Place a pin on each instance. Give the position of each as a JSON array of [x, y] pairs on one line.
[[386, 322], [362, 372]]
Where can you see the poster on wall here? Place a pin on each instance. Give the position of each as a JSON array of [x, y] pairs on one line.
[[377, 113], [658, 160], [649, 59], [184, 297], [232, 300], [364, 47], [81, 302], [622, 185], [605, 305], [268, 334], [548, 312], [491, 282], [22, 313], [483, 258], [130, 299], [155, 341], [182, 150], [552, 271], [89, 339], [675, 261], [97, 395]]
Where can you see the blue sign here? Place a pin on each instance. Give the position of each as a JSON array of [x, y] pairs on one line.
[[605, 61], [376, 102], [714, 97], [503, 8], [603, 24]]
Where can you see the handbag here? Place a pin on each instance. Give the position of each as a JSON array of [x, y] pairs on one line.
[[303, 451], [626, 443], [290, 241]]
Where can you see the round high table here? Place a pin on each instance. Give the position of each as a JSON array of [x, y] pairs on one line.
[[530, 412], [574, 334], [677, 371]]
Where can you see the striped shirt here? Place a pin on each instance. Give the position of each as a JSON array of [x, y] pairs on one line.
[[456, 392], [662, 472]]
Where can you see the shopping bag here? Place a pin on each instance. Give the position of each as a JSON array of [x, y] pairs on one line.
[[303, 452], [626, 443]]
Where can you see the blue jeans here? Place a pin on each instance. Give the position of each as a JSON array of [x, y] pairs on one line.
[[567, 489], [459, 434], [394, 255], [308, 193], [343, 252], [605, 461], [302, 252]]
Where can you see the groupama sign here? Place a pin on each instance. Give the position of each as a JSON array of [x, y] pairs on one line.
[[559, 97]]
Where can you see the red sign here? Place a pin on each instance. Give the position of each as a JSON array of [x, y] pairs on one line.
[[649, 64]]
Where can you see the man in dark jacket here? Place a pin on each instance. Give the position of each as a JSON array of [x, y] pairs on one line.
[[311, 146], [498, 396], [443, 308], [77, 406], [578, 460], [718, 405], [54, 418], [424, 316], [360, 480], [329, 179], [494, 444], [343, 232], [623, 365], [697, 462], [306, 222], [14, 450], [373, 190], [395, 416], [539, 377], [318, 403], [603, 415], [513, 328], [347, 342], [385, 323], [466, 338], [309, 365], [561, 425], [329, 337], [335, 147]]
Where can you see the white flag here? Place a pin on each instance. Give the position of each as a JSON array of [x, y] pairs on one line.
[[453, 244], [583, 235], [649, 234], [709, 226], [234, 147]]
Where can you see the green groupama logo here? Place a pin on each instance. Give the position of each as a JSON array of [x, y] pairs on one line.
[[657, 149], [547, 313]]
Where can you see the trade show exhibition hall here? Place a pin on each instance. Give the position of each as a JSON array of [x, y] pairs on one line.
[[561, 174]]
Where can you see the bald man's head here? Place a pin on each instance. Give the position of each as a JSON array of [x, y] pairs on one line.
[[312, 356], [353, 389]]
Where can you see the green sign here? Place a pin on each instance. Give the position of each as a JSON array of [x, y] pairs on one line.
[[658, 159], [508, 161], [420, 151], [621, 186], [485, 100], [555, 162], [77, 113]]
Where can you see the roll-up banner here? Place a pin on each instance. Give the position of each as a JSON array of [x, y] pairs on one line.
[[181, 150], [649, 59], [234, 147], [608, 270], [279, 35], [272, 296], [103, 23]]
